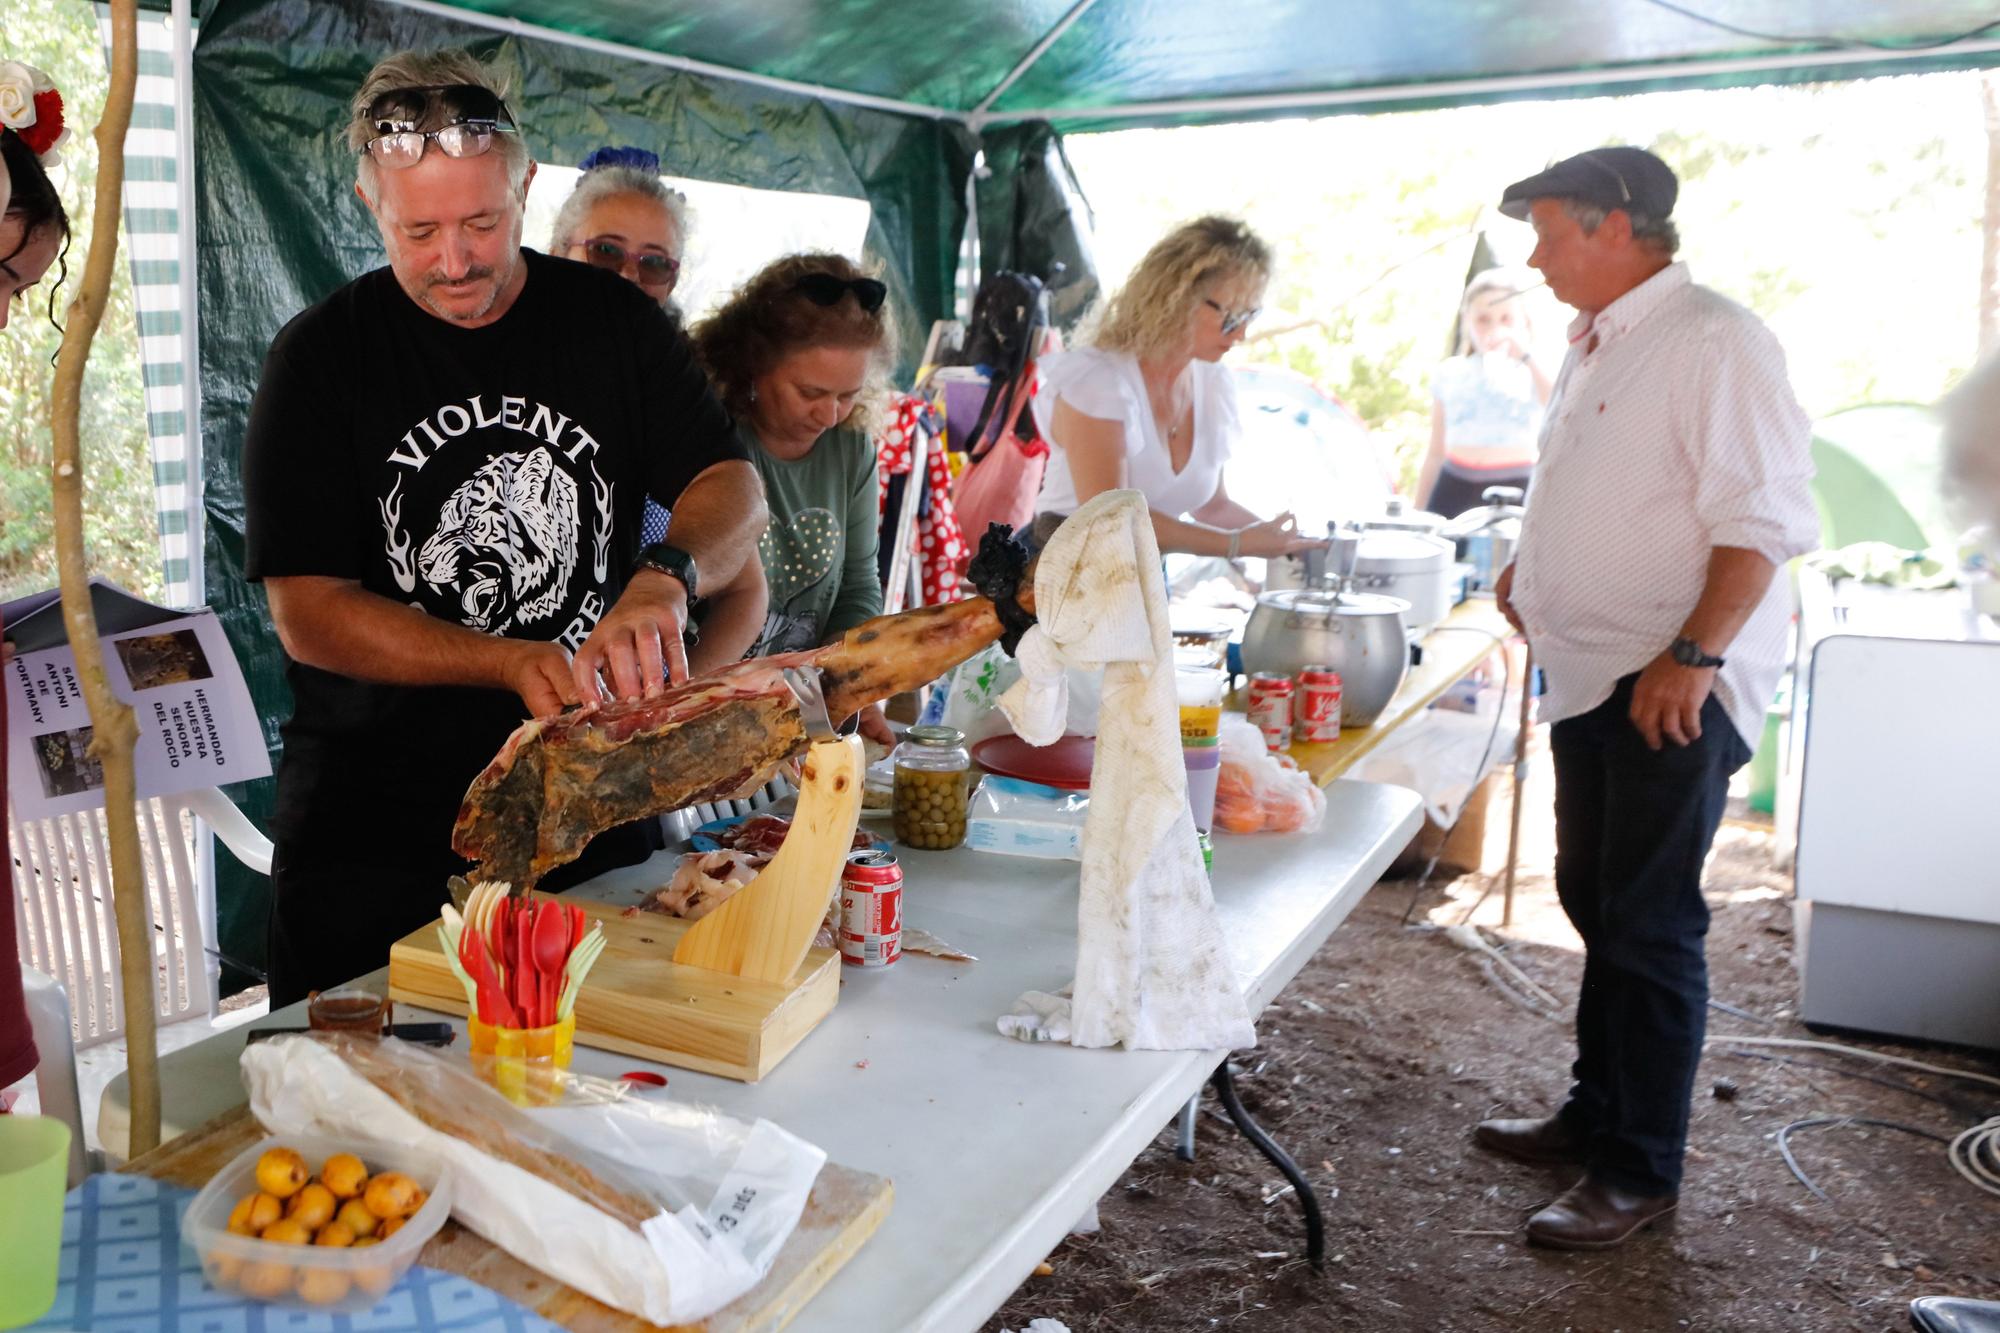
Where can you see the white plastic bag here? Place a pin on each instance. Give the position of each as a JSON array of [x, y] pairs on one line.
[[663, 1210], [1259, 791]]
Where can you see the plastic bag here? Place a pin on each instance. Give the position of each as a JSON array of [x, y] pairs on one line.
[[1020, 818], [670, 1212], [1259, 791]]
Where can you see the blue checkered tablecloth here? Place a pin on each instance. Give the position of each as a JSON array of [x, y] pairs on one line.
[[125, 1270]]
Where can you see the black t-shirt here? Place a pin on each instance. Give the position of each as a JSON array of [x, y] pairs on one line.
[[493, 477]]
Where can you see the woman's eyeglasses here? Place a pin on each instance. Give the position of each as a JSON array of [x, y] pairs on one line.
[[825, 289], [653, 270], [1232, 320], [470, 117]]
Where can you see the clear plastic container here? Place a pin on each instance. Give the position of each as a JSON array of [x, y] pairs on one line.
[[933, 788], [315, 1276]]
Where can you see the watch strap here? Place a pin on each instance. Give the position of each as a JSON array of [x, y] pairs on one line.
[[673, 561], [1689, 653]]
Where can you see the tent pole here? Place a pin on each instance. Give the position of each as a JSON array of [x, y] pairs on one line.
[[533, 32], [1511, 83], [195, 499], [1049, 39]]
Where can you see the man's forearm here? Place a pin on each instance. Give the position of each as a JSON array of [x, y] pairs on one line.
[[731, 622], [337, 625], [1737, 580], [717, 520]]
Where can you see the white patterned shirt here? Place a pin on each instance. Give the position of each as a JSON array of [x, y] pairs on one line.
[[1672, 429]]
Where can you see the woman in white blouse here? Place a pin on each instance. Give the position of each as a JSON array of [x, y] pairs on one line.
[[1143, 402]]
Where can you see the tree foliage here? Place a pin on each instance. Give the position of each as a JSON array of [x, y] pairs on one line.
[[121, 530], [1847, 215]]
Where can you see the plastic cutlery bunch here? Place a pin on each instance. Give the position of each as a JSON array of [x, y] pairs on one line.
[[521, 960]]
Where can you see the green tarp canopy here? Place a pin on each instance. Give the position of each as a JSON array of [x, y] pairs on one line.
[[891, 101]]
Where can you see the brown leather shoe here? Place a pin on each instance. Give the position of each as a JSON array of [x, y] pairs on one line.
[[1549, 1142], [1591, 1215]]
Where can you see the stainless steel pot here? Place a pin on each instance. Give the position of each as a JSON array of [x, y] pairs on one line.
[[1486, 536], [1413, 566], [1357, 634], [1398, 515]]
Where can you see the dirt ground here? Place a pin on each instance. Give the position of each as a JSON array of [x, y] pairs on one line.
[[1378, 1059]]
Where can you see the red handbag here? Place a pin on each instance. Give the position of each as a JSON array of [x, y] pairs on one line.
[[1004, 477]]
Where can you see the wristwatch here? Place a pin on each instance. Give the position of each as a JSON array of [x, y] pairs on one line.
[[674, 562], [1689, 654]]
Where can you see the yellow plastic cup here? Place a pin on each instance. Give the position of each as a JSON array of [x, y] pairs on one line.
[[34, 1166], [523, 1063]]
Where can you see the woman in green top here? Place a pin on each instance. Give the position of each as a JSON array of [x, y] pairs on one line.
[[799, 354]]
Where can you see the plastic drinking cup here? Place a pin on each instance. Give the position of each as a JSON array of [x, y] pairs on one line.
[[34, 1167]]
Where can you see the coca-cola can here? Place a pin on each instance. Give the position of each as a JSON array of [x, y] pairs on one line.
[[1317, 717], [871, 909], [1271, 708], [870, 950]]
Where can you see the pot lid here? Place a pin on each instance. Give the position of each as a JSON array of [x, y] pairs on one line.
[[1504, 518], [1397, 513], [1317, 601], [1396, 550]]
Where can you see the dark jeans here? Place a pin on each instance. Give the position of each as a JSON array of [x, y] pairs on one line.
[[1633, 827]]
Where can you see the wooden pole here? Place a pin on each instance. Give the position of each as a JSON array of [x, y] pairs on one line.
[[114, 730], [1520, 779]]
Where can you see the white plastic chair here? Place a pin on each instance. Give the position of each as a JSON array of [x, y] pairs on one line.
[[680, 824], [55, 1077], [62, 881]]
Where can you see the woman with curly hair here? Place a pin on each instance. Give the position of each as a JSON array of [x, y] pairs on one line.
[[800, 355], [1144, 402], [34, 228], [34, 233]]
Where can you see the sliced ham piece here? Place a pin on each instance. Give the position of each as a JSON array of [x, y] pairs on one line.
[[703, 882], [559, 781]]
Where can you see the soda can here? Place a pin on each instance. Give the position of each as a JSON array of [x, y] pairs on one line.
[[871, 909], [1207, 850], [1271, 708], [870, 950], [1318, 712]]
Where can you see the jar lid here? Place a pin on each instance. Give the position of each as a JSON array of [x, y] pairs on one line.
[[942, 738]]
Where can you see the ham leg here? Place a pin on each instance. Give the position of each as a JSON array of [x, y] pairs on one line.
[[559, 781]]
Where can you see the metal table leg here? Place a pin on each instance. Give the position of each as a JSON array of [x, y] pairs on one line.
[[1184, 1149], [1224, 1083]]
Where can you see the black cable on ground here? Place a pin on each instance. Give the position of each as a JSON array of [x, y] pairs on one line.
[[1485, 757], [1820, 1122]]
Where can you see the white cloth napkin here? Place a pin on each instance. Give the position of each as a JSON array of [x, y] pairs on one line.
[[1151, 968]]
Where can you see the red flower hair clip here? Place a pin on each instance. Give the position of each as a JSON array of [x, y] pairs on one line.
[[32, 108]]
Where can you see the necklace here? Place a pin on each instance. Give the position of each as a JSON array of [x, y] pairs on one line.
[[1178, 407]]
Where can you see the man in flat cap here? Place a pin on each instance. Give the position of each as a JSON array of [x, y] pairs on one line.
[[1673, 482]]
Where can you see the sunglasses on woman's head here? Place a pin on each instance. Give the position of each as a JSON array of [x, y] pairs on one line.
[[1232, 320], [654, 270], [464, 117], [825, 289]]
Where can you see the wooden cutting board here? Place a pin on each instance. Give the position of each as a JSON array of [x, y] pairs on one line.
[[639, 1001], [842, 1212]]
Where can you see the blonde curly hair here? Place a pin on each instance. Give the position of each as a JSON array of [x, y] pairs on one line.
[[1149, 315], [768, 319]]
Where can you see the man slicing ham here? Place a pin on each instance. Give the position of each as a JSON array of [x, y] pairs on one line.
[[445, 468]]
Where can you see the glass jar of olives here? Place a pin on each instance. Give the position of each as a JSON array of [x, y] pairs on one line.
[[933, 787]]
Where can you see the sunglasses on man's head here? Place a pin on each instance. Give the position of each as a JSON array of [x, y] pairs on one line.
[[825, 289], [463, 119], [1232, 320], [654, 270]]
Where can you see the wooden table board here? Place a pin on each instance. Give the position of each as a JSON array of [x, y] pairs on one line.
[[1473, 630], [639, 1001], [842, 1212]]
